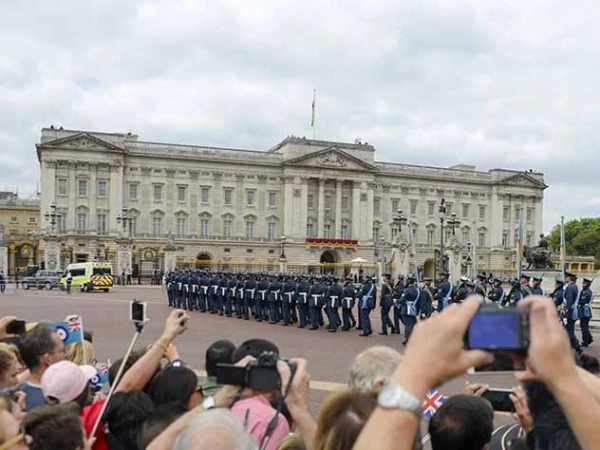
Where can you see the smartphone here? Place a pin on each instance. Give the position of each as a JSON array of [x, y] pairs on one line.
[[499, 330], [16, 327], [500, 399], [138, 311]]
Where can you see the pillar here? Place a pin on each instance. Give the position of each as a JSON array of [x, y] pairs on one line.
[[338, 210], [170, 255], [50, 249], [355, 232], [400, 255], [321, 217], [124, 255], [453, 252]]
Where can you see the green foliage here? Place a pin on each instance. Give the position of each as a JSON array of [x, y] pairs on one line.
[[582, 237]]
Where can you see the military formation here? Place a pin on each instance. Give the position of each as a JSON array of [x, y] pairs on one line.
[[314, 301]]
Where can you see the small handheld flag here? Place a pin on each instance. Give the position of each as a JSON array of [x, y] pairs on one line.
[[70, 331], [101, 376], [433, 401]]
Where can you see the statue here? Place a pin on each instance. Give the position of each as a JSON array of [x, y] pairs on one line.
[[538, 257], [170, 240]]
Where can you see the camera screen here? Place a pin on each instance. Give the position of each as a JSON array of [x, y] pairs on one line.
[[137, 312], [490, 331]]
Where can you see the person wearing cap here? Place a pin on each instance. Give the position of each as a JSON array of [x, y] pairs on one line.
[[536, 285], [367, 302], [515, 295], [479, 288], [444, 292], [497, 294], [274, 299], [585, 312], [288, 300], [348, 300], [315, 303], [557, 295], [385, 304], [525, 288], [66, 382], [410, 309], [426, 297], [461, 291], [396, 300], [302, 299], [571, 301], [333, 300]]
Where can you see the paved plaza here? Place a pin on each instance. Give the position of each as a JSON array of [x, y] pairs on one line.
[[329, 354]]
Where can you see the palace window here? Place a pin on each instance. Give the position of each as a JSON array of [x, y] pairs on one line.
[[205, 195], [181, 193], [272, 199], [62, 187], [156, 226], [227, 228], [271, 231], [181, 226], [101, 225], [344, 232], [250, 194], [377, 206], [204, 227], [157, 192], [249, 229], [82, 222], [327, 231], [82, 188], [102, 189], [310, 201], [228, 196], [133, 191]]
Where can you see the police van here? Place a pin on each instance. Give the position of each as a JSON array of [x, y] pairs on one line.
[[89, 276]]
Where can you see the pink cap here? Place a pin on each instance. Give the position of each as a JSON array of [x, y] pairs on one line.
[[65, 381]]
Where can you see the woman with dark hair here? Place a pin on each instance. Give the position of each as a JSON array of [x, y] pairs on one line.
[[177, 386], [124, 417]]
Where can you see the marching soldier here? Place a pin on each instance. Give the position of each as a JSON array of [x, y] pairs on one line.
[[171, 289], [426, 296], [315, 299], [195, 287], [239, 296], [213, 294], [333, 301], [302, 300], [558, 295], [288, 300], [204, 291], [179, 281], [462, 292], [185, 304], [222, 293], [385, 305], [396, 296], [348, 300], [410, 299], [536, 287], [515, 294], [274, 299], [368, 301], [571, 300], [497, 294], [249, 296], [444, 292], [261, 303], [479, 288], [585, 312], [230, 299], [525, 288]]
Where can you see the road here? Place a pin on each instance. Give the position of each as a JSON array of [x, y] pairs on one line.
[[107, 314]]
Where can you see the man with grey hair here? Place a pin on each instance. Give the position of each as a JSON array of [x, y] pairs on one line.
[[217, 429], [372, 369]]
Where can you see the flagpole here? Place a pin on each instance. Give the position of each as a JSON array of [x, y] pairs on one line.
[[563, 247], [313, 122], [83, 342], [520, 245]]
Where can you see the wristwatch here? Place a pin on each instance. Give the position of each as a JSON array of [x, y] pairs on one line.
[[394, 396], [208, 403], [176, 363]]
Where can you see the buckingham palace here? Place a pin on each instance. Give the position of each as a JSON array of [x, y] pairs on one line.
[[312, 205]]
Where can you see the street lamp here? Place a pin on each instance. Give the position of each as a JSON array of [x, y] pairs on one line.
[[125, 219], [442, 211], [52, 216], [282, 247], [399, 220], [381, 254], [453, 223], [469, 260]]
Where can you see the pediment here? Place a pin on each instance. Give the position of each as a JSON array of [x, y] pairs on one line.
[[331, 158], [523, 180], [84, 141]]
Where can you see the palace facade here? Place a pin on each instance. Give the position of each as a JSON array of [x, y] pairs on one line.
[[307, 203]]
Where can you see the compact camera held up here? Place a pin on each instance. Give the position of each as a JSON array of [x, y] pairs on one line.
[[260, 374]]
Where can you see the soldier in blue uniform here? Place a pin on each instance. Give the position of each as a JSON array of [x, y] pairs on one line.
[[249, 295], [367, 297], [239, 296], [444, 292], [385, 304], [497, 294], [536, 285], [426, 297], [204, 291], [572, 297], [410, 300], [558, 295], [462, 291], [515, 295], [585, 312], [222, 293], [348, 300], [179, 296], [185, 304], [302, 299], [333, 301], [525, 287], [315, 303], [171, 289], [261, 303], [195, 290], [288, 300], [213, 294], [396, 296], [274, 299], [230, 295], [479, 288]]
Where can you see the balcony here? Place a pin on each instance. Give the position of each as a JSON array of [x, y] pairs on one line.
[[326, 242]]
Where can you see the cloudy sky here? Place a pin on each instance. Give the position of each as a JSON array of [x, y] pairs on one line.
[[503, 83]]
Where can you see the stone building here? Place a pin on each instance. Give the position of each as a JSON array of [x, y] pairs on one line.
[[318, 204], [19, 226]]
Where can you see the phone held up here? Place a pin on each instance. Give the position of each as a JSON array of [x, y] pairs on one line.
[[504, 332], [499, 399], [138, 312], [16, 327]]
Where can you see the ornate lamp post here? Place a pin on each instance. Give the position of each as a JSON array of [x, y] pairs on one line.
[[469, 259], [125, 220], [442, 210], [453, 223], [282, 268], [53, 217], [282, 239], [399, 220]]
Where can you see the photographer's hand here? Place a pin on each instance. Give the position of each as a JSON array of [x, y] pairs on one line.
[[296, 398], [227, 394], [475, 389], [522, 412], [175, 325], [4, 322]]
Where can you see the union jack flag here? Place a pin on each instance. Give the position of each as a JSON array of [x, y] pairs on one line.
[[74, 324], [433, 401], [101, 376]]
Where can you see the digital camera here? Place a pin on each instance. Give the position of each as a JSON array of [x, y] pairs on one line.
[[260, 374]]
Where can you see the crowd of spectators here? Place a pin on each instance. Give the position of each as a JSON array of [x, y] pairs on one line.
[[48, 401]]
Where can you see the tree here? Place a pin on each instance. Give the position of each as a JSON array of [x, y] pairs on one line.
[[582, 238]]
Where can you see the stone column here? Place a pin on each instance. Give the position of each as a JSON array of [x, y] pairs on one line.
[[124, 255], [50, 247], [338, 210], [453, 252], [400, 255], [170, 257], [356, 210], [321, 217]]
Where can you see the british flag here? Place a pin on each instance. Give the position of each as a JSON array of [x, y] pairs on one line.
[[74, 324], [433, 400]]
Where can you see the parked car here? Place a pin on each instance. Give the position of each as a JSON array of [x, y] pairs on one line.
[[47, 279]]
